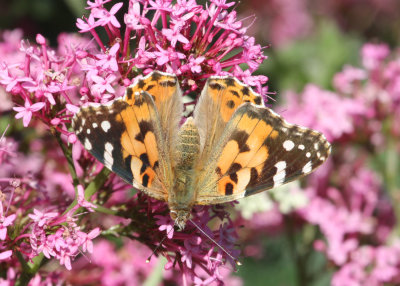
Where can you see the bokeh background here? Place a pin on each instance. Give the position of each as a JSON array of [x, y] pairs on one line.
[[307, 42]]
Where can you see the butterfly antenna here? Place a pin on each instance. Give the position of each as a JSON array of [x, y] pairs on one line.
[[216, 243], [158, 246]]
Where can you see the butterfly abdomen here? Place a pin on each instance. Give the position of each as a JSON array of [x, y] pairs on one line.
[[188, 148], [182, 195]]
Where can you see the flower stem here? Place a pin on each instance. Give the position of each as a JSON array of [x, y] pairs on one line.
[[29, 269], [300, 264], [68, 155], [93, 187]]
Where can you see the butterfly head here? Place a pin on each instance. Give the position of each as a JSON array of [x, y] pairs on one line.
[[180, 217]]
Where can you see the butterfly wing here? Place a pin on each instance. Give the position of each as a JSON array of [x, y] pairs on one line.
[[219, 99], [257, 150], [127, 135]]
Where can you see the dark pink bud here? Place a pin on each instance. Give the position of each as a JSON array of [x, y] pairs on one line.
[[39, 93], [187, 47], [145, 21], [81, 54], [126, 82], [83, 90], [55, 121], [40, 39]]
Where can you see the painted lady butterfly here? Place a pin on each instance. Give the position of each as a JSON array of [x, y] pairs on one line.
[[231, 148]]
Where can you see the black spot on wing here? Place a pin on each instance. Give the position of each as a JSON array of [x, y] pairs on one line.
[[145, 180], [257, 100], [141, 83], [235, 93], [145, 162], [230, 104], [234, 177], [253, 176], [128, 161], [139, 101], [149, 87], [246, 90], [228, 189], [144, 127], [129, 93], [218, 171], [166, 83], [241, 137], [156, 76], [215, 85], [230, 81], [234, 168]]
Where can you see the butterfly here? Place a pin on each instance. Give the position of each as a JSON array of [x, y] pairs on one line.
[[231, 148]]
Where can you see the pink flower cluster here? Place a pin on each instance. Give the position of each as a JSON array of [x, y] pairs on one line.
[[347, 200]]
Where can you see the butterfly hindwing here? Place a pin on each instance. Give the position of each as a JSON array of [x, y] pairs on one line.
[[258, 150]]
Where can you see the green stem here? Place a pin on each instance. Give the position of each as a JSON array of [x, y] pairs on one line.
[[93, 187], [29, 269], [68, 155], [390, 175], [300, 264]]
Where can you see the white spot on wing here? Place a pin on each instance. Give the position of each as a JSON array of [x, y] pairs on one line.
[[308, 154], [280, 173], [94, 124], [105, 125], [307, 168], [288, 145], [88, 131], [87, 144], [108, 159], [301, 147]]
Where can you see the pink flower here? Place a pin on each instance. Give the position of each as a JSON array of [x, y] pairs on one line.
[[27, 110], [5, 254], [109, 60], [103, 84], [88, 25], [174, 36], [86, 239], [5, 222], [165, 223], [82, 201], [42, 218], [133, 17], [108, 17], [374, 54]]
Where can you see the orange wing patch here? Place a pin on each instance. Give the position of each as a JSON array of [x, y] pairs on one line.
[[230, 93], [138, 140], [159, 85]]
